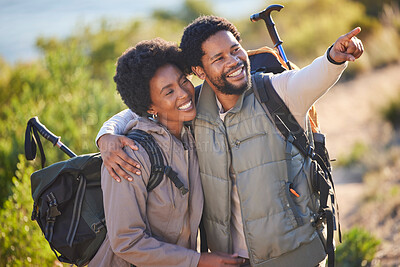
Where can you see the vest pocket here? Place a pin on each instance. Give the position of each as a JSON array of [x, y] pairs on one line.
[[290, 193]]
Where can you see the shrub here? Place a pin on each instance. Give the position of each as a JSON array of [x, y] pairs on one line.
[[358, 248], [20, 238], [391, 112], [356, 154]]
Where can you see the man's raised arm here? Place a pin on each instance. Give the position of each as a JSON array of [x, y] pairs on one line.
[[299, 89], [110, 142]]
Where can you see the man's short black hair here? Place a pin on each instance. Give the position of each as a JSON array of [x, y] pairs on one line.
[[199, 31], [137, 65]]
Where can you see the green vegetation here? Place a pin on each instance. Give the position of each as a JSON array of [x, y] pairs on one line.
[[21, 241], [358, 248], [70, 88], [391, 112], [355, 155]]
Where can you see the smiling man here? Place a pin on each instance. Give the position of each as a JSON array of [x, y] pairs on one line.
[[243, 159]]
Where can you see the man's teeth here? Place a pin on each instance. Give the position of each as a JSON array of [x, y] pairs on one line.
[[186, 106], [236, 73]]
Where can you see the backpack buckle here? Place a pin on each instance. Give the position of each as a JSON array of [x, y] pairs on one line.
[[310, 151], [157, 168], [183, 190], [318, 218], [52, 211]]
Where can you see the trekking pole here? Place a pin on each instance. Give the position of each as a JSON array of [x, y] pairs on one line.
[[266, 16], [47, 134]]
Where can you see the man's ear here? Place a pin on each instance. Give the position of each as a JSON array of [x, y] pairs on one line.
[[199, 71]]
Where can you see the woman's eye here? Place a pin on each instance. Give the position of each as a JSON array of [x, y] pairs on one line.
[[169, 92]]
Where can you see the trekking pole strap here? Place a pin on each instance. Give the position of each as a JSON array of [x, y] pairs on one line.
[[32, 139]]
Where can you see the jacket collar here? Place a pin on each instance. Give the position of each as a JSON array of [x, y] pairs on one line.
[[207, 103]]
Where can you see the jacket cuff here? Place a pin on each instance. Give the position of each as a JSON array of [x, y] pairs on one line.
[[330, 59], [195, 259]]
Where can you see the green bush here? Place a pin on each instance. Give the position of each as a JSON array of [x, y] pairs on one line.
[[391, 112], [21, 241], [356, 154], [61, 91], [358, 248]]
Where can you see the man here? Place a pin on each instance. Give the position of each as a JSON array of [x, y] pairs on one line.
[[244, 170]]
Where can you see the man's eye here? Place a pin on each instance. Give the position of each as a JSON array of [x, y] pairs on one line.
[[169, 92]]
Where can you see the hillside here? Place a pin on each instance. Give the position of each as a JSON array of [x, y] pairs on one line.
[[350, 115]]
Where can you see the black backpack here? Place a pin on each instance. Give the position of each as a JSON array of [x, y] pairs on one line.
[[68, 200]]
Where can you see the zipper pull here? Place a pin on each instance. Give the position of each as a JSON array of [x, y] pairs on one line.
[[293, 191]]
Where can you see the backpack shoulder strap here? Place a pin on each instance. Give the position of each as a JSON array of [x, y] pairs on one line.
[[280, 114], [158, 167], [156, 158]]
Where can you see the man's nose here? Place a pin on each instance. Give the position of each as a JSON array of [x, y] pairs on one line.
[[233, 60]]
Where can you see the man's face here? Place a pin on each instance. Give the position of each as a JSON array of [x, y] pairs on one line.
[[225, 64]]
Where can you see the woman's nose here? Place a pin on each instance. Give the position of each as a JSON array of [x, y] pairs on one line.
[[182, 93]]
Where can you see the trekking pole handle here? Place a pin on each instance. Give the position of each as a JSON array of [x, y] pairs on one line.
[[266, 16], [47, 134]]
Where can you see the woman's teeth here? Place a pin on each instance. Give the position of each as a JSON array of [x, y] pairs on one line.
[[186, 106]]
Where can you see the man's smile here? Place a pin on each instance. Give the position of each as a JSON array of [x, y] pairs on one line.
[[236, 73]]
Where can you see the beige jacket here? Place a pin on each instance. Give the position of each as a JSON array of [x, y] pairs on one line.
[[157, 228]]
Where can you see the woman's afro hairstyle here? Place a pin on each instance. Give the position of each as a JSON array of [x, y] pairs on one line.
[[137, 66], [199, 31]]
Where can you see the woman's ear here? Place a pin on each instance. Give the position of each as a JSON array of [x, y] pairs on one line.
[[151, 110], [199, 71]]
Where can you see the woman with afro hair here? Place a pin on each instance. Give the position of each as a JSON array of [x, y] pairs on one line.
[[156, 228]]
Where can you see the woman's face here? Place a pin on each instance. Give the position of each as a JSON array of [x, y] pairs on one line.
[[172, 96]]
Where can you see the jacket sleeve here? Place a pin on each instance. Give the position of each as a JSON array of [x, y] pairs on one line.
[[116, 124], [127, 225], [300, 89]]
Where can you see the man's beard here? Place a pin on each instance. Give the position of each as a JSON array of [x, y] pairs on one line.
[[228, 88]]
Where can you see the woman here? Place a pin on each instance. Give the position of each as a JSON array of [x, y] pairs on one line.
[[156, 228]]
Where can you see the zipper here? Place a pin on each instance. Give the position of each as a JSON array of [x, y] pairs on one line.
[[237, 143], [290, 193]]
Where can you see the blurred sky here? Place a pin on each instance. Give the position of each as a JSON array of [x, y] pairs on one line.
[[22, 21]]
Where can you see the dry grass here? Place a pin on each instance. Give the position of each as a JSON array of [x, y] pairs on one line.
[[350, 114]]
